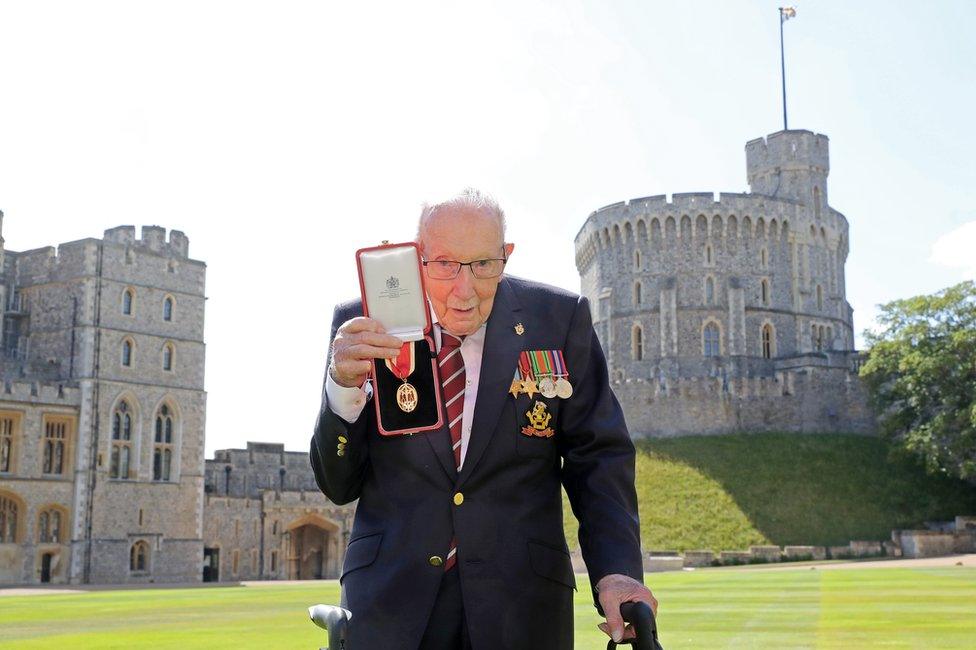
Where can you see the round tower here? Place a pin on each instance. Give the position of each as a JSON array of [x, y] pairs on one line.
[[714, 311]]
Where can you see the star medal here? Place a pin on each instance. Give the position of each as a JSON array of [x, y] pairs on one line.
[[402, 367], [516, 386], [564, 389], [542, 367]]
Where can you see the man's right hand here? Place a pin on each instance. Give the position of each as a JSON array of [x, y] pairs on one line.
[[356, 342]]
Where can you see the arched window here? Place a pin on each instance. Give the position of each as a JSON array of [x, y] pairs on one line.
[[168, 309], [710, 340], [764, 289], [56, 439], [830, 339], [819, 297], [127, 353], [7, 430], [762, 258], [817, 337], [767, 341], [708, 254], [816, 202], [637, 343], [637, 261], [638, 293], [127, 297], [121, 441], [8, 519], [163, 446], [49, 526], [709, 290], [139, 557], [168, 356]]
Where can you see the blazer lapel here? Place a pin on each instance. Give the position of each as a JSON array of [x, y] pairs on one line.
[[498, 362]]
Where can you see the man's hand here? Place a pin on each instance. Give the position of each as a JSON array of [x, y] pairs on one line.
[[356, 342], [615, 589]]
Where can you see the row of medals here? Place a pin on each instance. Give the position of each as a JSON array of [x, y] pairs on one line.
[[548, 387]]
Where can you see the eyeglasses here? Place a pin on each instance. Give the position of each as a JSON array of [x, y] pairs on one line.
[[449, 269]]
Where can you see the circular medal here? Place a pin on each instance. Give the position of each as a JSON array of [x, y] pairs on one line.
[[406, 397], [563, 388], [547, 387]]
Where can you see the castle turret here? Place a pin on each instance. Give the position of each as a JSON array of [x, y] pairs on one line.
[[790, 165]]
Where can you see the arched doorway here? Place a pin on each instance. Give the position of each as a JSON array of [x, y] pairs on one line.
[[46, 559], [312, 548]]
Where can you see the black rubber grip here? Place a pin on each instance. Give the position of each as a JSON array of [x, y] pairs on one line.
[[642, 618]]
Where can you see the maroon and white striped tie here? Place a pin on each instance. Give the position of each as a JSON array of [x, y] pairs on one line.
[[451, 366]]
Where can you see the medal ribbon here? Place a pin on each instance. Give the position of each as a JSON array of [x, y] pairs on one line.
[[405, 362], [540, 363], [525, 365], [559, 363]]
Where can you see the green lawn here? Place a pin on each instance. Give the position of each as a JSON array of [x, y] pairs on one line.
[[728, 492], [713, 608]]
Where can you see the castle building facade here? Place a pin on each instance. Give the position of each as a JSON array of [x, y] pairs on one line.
[[102, 428], [102, 410], [266, 519], [730, 314]]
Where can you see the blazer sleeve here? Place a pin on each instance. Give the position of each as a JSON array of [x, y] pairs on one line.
[[598, 459], [340, 476]]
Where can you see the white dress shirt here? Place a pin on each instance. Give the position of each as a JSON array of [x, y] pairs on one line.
[[348, 403]]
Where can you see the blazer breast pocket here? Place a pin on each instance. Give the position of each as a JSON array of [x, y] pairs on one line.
[[536, 426]]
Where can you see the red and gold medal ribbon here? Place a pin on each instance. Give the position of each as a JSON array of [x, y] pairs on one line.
[[405, 362]]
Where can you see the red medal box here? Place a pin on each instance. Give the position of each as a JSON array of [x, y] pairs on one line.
[[406, 389]]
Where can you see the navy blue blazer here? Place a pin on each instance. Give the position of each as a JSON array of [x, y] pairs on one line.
[[516, 576]]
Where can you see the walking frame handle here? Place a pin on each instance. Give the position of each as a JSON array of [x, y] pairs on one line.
[[642, 617]]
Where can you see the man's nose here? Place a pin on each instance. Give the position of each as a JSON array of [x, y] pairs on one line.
[[464, 282]]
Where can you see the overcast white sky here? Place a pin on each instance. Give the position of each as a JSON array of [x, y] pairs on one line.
[[281, 136]]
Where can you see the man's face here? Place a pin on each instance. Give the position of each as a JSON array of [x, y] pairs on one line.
[[463, 304]]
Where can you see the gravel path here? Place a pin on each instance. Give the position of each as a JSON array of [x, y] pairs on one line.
[[965, 560]]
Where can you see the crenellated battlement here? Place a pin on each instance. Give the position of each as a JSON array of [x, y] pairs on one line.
[[153, 238], [796, 148], [47, 264], [80, 257], [39, 392]]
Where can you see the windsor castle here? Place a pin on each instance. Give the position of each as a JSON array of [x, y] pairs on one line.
[[715, 315]]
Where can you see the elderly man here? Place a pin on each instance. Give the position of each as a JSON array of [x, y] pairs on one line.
[[474, 556]]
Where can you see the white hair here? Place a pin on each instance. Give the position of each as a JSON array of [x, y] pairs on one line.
[[468, 198]]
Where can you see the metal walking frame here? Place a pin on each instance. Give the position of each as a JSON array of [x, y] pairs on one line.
[[335, 620]]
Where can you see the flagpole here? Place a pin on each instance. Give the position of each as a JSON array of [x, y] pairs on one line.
[[782, 63]]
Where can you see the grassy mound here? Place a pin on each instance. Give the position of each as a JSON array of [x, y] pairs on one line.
[[728, 492]]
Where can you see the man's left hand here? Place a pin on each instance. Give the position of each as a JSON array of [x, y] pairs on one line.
[[615, 589]]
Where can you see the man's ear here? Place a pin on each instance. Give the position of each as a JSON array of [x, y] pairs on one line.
[[508, 250]]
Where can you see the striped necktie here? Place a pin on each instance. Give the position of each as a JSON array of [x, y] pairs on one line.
[[451, 367]]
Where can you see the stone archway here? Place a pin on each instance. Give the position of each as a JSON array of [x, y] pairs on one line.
[[313, 548]]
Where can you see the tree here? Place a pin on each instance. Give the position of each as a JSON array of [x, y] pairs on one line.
[[921, 376]]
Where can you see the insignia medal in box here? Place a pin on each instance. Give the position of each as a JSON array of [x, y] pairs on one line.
[[406, 394]]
